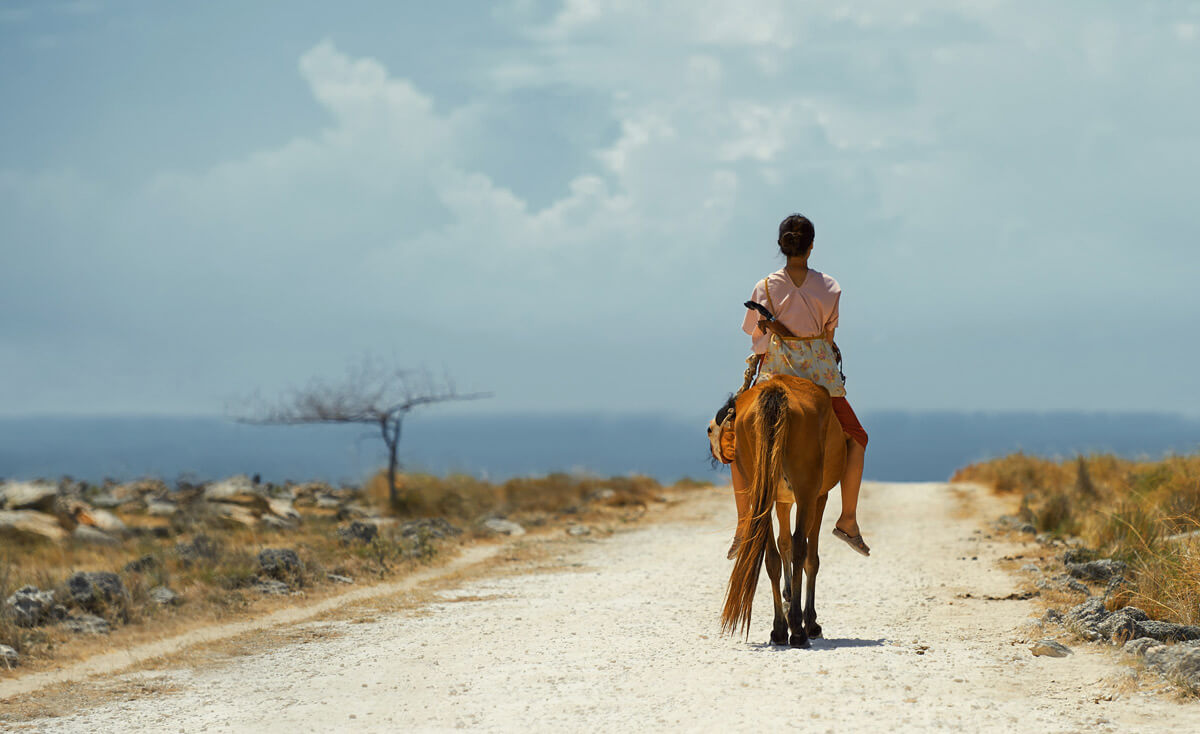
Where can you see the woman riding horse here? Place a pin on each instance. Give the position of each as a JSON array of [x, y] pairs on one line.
[[799, 341]]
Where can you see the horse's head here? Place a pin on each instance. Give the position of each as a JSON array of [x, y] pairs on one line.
[[714, 436], [714, 429]]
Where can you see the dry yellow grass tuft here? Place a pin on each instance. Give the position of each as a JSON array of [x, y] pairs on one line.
[[1146, 513]]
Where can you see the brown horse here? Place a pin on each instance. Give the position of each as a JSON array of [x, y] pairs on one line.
[[791, 450]]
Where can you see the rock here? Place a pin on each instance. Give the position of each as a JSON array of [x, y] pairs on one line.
[[1077, 555], [283, 509], [277, 523], [237, 490], [1180, 663], [94, 590], [100, 519], [358, 532], [30, 606], [93, 536], [325, 502], [1167, 631], [1101, 570], [30, 525], [578, 530], [1140, 645], [164, 596], [339, 578], [1086, 618], [29, 496], [106, 501], [1030, 568], [8, 657], [603, 494], [1028, 529], [430, 527], [87, 624], [1052, 616], [279, 563], [1049, 648], [271, 587], [503, 527], [351, 511], [159, 508], [142, 565], [234, 515], [201, 548], [1121, 625]]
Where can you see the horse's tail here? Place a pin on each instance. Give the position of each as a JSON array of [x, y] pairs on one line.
[[771, 407]]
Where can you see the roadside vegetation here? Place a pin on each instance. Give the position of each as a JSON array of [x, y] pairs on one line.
[[84, 568], [1144, 513]]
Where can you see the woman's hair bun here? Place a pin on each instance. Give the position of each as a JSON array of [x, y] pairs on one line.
[[796, 235]]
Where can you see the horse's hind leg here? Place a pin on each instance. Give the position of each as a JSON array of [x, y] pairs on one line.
[[779, 633], [799, 636], [812, 563], [783, 514]]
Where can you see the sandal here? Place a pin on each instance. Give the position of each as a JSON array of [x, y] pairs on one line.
[[854, 541], [733, 548]]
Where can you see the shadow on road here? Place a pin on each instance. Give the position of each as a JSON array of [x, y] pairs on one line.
[[821, 643]]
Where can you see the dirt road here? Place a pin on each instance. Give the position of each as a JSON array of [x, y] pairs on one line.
[[621, 635]]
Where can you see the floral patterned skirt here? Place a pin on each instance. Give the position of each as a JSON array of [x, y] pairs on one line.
[[808, 357]]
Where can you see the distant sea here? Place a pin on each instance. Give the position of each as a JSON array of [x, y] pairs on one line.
[[903, 446]]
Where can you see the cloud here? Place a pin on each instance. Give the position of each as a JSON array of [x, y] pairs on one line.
[[579, 231]]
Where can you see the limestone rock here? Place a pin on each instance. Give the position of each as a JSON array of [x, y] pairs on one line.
[[1140, 645], [163, 596], [1167, 631], [283, 509], [29, 496], [1180, 663], [30, 606], [1101, 570], [578, 530], [101, 520], [237, 490], [161, 508], [503, 527], [30, 525], [235, 515], [94, 590], [271, 587], [1049, 648], [8, 657], [279, 563], [358, 532], [430, 527], [93, 536], [87, 624], [338, 578]]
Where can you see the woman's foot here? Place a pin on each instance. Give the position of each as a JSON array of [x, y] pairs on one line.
[[733, 548], [854, 541], [852, 537]]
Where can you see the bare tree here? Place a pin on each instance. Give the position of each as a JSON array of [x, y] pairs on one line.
[[371, 393]]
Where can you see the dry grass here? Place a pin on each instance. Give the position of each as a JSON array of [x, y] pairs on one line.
[[467, 498], [218, 586], [1146, 513]]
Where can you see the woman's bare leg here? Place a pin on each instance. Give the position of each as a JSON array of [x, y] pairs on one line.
[[851, 483]]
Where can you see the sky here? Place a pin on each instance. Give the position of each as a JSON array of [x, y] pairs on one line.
[[565, 203]]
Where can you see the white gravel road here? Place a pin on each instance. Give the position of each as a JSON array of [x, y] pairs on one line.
[[628, 640]]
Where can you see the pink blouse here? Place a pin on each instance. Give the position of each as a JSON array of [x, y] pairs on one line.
[[810, 310]]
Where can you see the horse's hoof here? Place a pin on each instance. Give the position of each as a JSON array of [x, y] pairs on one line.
[[798, 641], [779, 638], [813, 630]]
